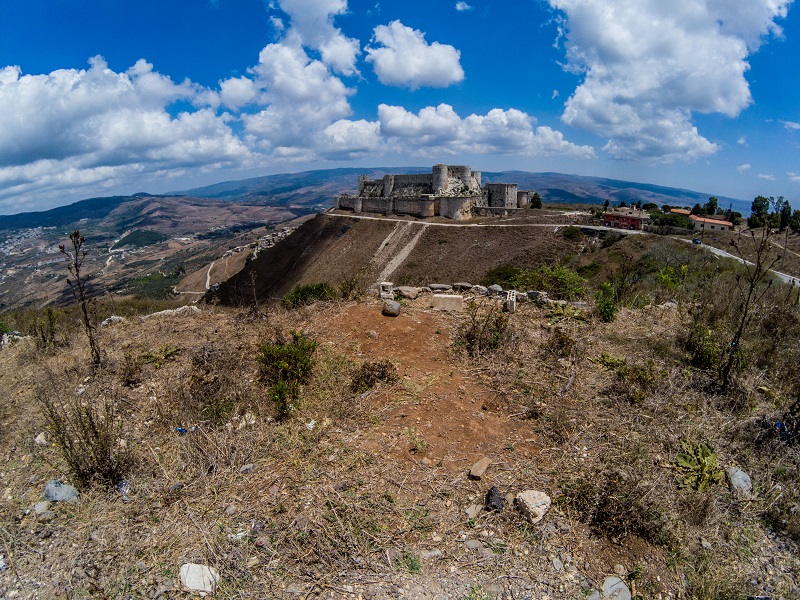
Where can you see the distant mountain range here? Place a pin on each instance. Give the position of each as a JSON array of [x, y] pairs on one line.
[[313, 191]]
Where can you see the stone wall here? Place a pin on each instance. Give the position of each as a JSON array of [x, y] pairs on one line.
[[502, 195], [456, 207]]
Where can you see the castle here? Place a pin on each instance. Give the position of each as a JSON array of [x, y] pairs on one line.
[[448, 191]]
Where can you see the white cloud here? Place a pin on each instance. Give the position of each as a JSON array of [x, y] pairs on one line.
[[649, 65], [302, 98], [793, 177], [312, 20], [237, 92], [791, 125], [462, 6], [405, 59], [766, 176], [555, 95], [742, 141], [440, 130], [277, 23], [743, 168]]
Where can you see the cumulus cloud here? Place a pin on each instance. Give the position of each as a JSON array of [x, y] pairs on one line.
[[742, 141], [440, 130], [743, 168], [649, 65], [405, 59], [462, 6], [793, 177], [766, 176], [791, 125], [76, 127], [312, 21]]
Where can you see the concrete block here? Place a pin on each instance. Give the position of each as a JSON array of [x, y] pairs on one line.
[[448, 302]]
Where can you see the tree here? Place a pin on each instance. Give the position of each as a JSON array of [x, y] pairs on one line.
[[759, 210], [605, 204], [752, 287], [697, 209], [76, 255], [623, 204], [794, 222], [785, 210], [711, 206], [536, 200]]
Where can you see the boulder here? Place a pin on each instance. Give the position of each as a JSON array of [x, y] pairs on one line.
[[199, 578], [391, 308], [739, 483], [535, 296], [462, 286], [113, 319], [406, 291], [57, 491], [533, 504], [440, 287], [495, 290], [479, 289], [615, 589]]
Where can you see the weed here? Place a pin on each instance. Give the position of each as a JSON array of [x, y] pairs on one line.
[[46, 330], [79, 286], [484, 329], [350, 288], [418, 443], [565, 312], [698, 466], [476, 592], [158, 357], [559, 344], [605, 302], [308, 294], [285, 366], [410, 562]]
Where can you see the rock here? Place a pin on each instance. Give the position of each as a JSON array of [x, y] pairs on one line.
[[440, 287], [183, 311], [615, 589], [295, 590], [230, 511], [342, 486], [372, 334], [478, 470], [430, 554], [199, 578], [533, 504], [474, 544], [494, 290], [262, 541], [40, 440], [391, 308], [113, 319], [46, 516], [57, 491], [540, 297], [739, 483], [175, 487], [479, 289], [406, 291], [557, 564], [448, 302], [706, 545], [580, 305], [40, 507], [473, 511], [248, 468], [462, 286], [619, 570], [494, 499]]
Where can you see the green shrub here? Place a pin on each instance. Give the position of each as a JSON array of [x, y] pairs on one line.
[[698, 466], [308, 294], [605, 302], [350, 288], [572, 234], [705, 351], [483, 330], [285, 366]]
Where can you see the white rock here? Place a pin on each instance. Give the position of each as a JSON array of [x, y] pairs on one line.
[[41, 439], [533, 504], [615, 589], [199, 578]]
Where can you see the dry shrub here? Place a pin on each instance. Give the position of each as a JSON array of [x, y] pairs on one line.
[[370, 374], [86, 428], [484, 329]]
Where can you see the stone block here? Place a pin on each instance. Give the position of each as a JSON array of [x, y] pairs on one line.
[[448, 302], [533, 505]]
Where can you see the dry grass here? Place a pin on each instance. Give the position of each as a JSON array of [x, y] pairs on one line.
[[336, 496]]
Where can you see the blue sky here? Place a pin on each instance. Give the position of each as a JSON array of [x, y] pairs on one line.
[[116, 97]]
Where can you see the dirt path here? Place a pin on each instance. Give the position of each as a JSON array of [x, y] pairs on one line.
[[398, 259], [208, 275]]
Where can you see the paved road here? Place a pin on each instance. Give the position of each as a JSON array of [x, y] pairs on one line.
[[790, 279]]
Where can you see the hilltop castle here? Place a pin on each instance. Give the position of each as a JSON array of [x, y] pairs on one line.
[[448, 191]]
